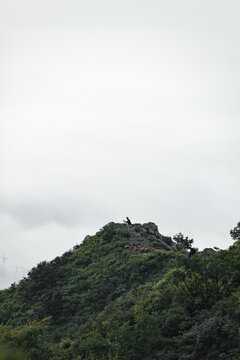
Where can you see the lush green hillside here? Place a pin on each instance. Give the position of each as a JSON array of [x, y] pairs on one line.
[[126, 293]]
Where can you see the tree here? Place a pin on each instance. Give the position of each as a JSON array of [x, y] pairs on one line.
[[182, 242], [235, 232]]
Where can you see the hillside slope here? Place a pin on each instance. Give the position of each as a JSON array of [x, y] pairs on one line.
[[126, 293]]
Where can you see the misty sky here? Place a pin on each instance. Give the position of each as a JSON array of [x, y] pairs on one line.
[[116, 108]]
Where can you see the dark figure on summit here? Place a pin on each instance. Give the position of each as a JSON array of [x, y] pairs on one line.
[[127, 221]]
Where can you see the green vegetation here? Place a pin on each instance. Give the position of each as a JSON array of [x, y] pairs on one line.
[[126, 294], [182, 242]]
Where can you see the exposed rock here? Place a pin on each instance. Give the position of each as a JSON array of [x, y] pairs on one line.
[[111, 224], [77, 247], [140, 249], [209, 251], [135, 234], [206, 253], [152, 229]]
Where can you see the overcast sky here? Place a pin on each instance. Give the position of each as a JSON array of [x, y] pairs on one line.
[[116, 108]]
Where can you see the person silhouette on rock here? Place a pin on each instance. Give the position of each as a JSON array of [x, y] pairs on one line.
[[127, 221]]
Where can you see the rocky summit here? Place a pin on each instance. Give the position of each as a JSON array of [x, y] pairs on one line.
[[146, 232]]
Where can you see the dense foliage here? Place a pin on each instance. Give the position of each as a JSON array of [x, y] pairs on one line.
[[182, 242], [122, 295]]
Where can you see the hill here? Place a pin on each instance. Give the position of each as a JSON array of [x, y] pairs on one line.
[[126, 293]]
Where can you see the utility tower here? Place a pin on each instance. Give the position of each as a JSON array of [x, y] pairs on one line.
[[4, 258]]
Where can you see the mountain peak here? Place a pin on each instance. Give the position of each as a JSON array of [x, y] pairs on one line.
[[139, 234]]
